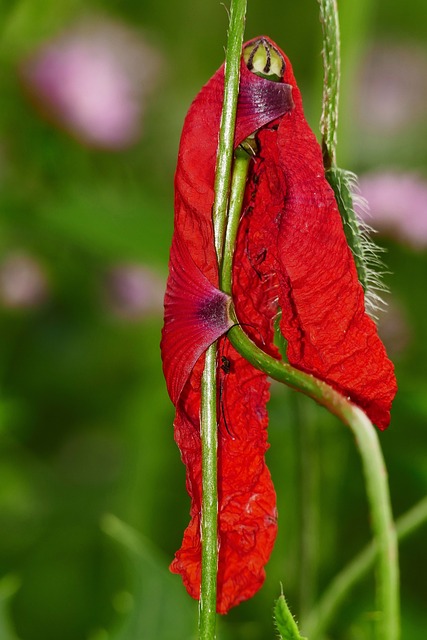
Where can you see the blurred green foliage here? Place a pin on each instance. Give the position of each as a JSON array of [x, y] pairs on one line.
[[85, 421]]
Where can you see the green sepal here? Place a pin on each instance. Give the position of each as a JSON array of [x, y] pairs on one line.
[[367, 255], [341, 182]]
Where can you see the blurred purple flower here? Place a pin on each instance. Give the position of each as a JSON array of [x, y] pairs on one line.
[[23, 282], [94, 80], [398, 205], [134, 291], [392, 91]]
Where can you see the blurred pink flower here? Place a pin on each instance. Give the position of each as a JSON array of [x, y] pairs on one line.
[[134, 291], [394, 328], [94, 80], [392, 90], [398, 205], [23, 282]]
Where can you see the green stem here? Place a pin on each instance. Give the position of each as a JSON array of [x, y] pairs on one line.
[[228, 122], [356, 19], [208, 431], [337, 592], [373, 463], [238, 184], [367, 440], [382, 523], [208, 420]]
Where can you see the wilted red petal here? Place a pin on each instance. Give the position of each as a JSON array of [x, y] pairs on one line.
[[324, 320], [261, 101], [292, 254], [247, 512], [247, 501], [196, 314]]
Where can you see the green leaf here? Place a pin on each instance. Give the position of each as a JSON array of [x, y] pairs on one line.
[[284, 620], [159, 608], [8, 587]]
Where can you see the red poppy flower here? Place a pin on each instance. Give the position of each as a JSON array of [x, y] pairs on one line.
[[291, 257]]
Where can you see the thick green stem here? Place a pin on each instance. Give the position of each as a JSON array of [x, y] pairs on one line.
[[208, 431], [208, 421], [366, 437]]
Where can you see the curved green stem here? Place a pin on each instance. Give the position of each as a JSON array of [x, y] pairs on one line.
[[382, 523], [373, 464], [208, 420], [321, 615], [363, 430]]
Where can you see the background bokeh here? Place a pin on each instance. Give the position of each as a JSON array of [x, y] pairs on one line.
[[92, 494]]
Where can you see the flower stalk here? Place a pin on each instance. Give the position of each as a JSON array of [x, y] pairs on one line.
[[209, 529], [228, 122], [209, 422]]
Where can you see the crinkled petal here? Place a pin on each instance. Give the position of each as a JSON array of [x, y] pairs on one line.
[[260, 102], [294, 256], [291, 256], [247, 518], [247, 503]]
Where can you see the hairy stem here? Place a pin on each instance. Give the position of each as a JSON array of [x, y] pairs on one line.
[[366, 438], [331, 80], [208, 421]]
